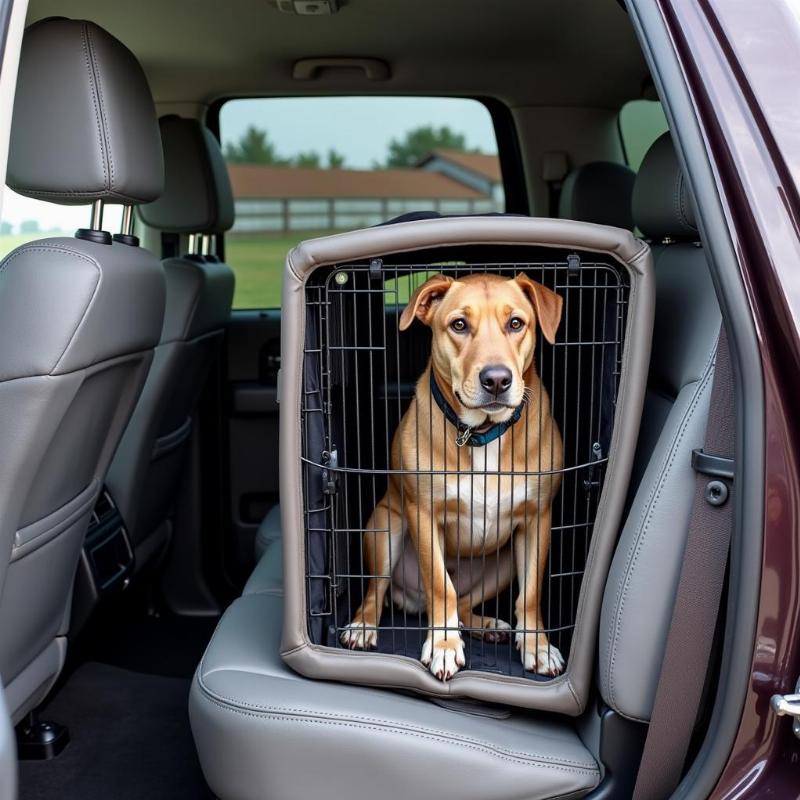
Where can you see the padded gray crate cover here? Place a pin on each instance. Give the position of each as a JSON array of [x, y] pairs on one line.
[[568, 692]]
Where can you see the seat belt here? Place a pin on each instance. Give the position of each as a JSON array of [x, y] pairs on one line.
[[697, 602]]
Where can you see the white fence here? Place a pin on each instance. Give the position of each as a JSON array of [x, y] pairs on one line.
[[266, 216]]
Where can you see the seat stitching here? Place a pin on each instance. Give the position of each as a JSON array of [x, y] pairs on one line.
[[101, 100], [562, 765], [359, 720], [90, 193], [36, 248], [95, 97], [644, 523]]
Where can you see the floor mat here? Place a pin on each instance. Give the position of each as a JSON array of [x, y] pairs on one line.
[[159, 645], [130, 739]]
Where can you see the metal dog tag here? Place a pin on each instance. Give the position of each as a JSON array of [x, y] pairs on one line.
[[463, 436]]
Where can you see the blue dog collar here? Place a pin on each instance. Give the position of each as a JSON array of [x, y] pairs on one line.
[[465, 435]]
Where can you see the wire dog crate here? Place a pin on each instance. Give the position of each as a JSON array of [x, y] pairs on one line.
[[461, 553]]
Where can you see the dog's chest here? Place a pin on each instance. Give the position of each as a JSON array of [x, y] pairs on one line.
[[483, 501]]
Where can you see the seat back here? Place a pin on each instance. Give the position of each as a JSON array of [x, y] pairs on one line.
[[197, 200], [642, 583], [79, 318], [598, 192]]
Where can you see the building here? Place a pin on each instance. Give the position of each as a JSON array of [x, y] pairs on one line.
[[275, 199], [477, 170]]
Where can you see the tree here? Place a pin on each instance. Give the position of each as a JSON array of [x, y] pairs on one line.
[[253, 147], [309, 159], [417, 143], [29, 226], [335, 160], [6, 228]]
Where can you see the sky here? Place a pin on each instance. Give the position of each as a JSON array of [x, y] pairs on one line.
[[358, 127]]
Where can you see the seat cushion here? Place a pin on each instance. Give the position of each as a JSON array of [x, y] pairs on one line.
[[264, 732], [268, 531], [267, 577]]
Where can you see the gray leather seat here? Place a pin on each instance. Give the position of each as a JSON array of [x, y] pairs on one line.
[[79, 318], [598, 192], [268, 531], [267, 576], [640, 592], [263, 731], [197, 199]]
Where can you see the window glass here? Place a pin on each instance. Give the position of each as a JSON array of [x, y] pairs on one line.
[[641, 122], [25, 219], [303, 167]]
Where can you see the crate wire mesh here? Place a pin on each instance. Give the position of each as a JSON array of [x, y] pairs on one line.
[[359, 375]]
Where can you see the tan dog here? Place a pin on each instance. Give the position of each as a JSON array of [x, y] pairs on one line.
[[482, 361]]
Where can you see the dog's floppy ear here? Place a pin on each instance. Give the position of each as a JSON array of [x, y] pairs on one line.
[[423, 300], [546, 302]]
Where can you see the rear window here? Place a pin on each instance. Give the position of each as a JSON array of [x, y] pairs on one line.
[[304, 167], [641, 122]]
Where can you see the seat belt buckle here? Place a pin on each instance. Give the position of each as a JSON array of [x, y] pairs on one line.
[[720, 469]]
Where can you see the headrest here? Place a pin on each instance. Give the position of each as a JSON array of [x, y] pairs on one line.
[[598, 192], [662, 205], [84, 125], [197, 195]]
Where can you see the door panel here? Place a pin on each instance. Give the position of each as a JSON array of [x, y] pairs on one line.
[[253, 358]]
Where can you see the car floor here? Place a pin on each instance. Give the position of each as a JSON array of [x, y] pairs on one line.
[[124, 700]]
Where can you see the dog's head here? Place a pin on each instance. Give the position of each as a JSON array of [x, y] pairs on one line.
[[484, 334]]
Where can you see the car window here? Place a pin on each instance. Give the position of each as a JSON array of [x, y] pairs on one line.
[[641, 122], [25, 219], [303, 167]]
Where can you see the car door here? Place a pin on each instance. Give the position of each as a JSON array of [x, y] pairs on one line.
[[251, 427]]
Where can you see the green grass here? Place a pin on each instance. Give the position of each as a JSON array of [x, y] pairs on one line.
[[258, 261]]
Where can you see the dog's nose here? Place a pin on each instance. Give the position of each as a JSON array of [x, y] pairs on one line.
[[495, 378]]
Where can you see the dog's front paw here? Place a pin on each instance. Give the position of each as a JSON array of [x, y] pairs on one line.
[[359, 636], [538, 655], [443, 656]]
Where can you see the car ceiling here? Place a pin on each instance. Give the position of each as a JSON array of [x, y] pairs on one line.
[[524, 52]]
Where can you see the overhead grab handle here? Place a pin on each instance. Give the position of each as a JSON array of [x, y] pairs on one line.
[[309, 69]]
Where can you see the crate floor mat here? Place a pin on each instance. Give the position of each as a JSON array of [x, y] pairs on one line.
[[451, 500]]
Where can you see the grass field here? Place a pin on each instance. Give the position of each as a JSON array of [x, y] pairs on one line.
[[258, 262]]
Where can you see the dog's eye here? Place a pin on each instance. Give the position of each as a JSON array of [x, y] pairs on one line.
[[458, 325], [516, 324]]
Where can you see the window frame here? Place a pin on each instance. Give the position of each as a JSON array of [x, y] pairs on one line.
[[509, 151]]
